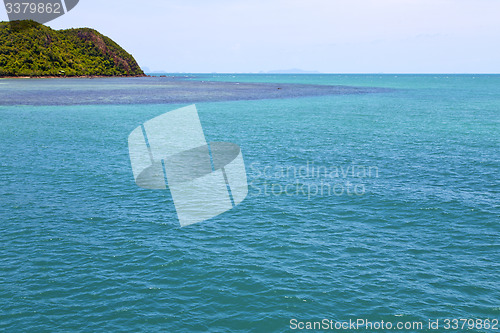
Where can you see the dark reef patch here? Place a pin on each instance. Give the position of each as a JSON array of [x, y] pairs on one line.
[[156, 90]]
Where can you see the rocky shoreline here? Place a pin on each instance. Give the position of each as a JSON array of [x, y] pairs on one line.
[[70, 77]]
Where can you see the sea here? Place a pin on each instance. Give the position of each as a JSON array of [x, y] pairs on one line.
[[372, 200]]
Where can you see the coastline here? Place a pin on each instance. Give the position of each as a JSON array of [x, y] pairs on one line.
[[71, 77]]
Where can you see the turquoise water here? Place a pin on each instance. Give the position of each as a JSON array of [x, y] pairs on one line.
[[411, 235]]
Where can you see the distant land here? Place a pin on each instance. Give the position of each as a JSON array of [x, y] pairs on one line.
[[30, 49], [278, 71], [291, 71]]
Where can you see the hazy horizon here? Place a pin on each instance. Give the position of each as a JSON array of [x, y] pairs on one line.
[[356, 37]]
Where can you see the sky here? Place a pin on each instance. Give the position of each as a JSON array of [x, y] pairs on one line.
[[329, 36]]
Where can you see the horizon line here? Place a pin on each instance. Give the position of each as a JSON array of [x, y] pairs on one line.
[[322, 73]]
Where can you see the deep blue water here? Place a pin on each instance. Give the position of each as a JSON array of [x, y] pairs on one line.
[[411, 235]]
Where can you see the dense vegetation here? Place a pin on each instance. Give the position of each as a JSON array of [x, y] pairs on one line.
[[31, 49]]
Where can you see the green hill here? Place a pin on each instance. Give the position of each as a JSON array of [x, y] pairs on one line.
[[28, 48]]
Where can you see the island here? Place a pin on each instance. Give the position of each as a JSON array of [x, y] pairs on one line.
[[30, 49]]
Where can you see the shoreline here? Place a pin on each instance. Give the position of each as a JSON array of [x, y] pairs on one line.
[[71, 77]]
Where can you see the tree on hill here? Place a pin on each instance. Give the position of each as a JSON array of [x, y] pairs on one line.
[[28, 48]]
